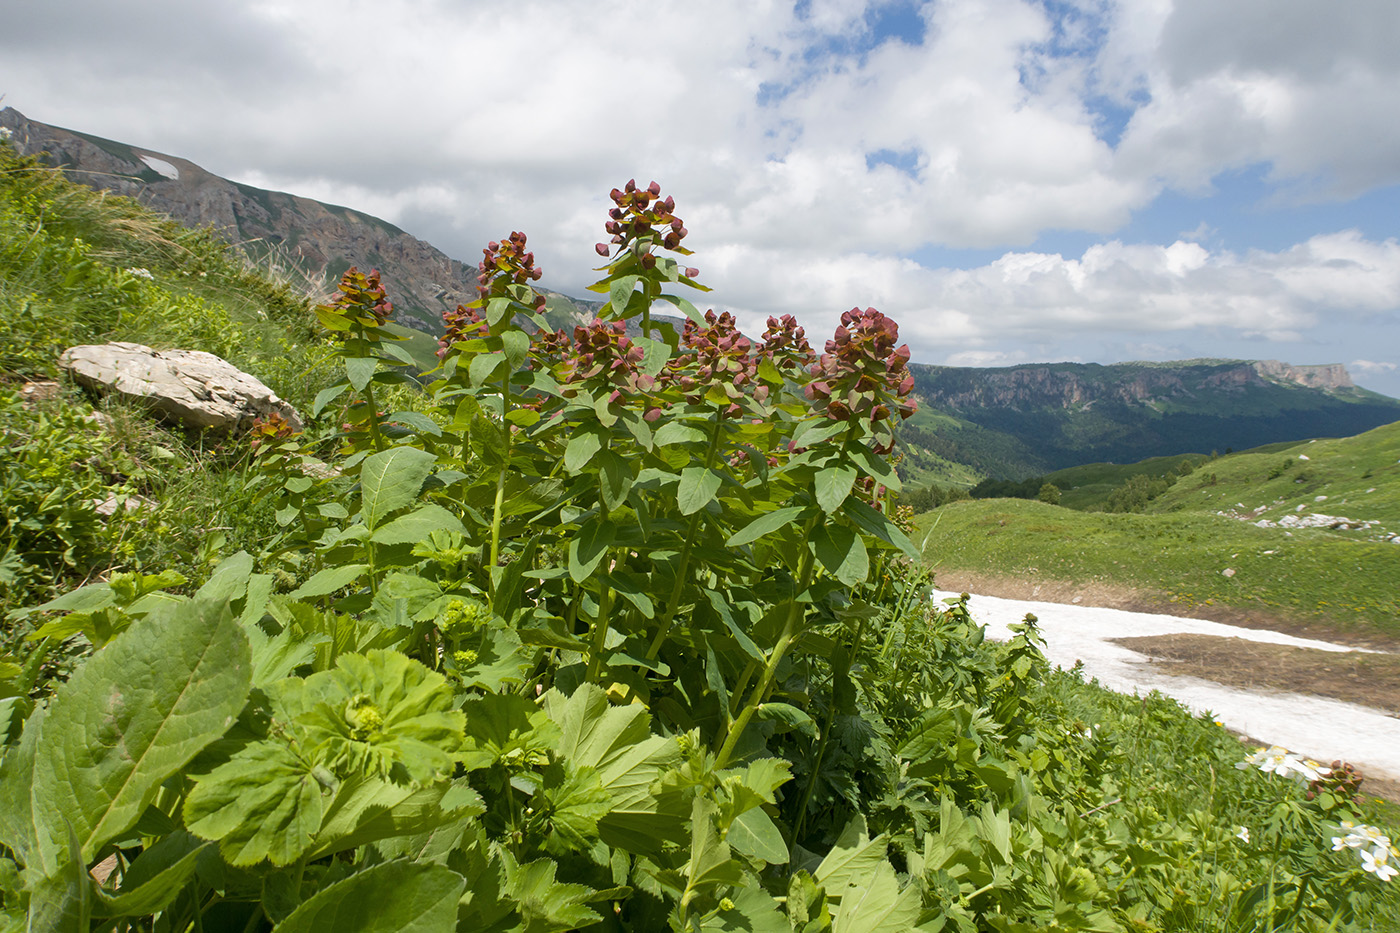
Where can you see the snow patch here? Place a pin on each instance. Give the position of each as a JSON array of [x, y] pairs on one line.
[[161, 167]]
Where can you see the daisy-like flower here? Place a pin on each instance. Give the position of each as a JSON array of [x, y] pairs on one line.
[[1278, 760], [1377, 862], [1242, 834]]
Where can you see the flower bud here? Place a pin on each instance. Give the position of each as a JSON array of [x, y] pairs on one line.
[[602, 249]]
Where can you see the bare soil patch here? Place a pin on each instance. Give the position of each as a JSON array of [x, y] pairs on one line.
[[1351, 676], [1139, 599]]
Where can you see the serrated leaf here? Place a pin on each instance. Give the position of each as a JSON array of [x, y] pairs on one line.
[[697, 489], [61, 902], [854, 857], [842, 552], [390, 480], [264, 803], [418, 525], [765, 524], [405, 897], [132, 716], [544, 904], [874, 904], [360, 370], [229, 580]]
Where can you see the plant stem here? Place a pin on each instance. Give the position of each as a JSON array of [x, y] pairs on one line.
[[770, 670], [500, 486], [600, 634], [672, 604]]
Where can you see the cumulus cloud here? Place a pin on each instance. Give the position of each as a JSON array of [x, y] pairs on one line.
[[1372, 366]]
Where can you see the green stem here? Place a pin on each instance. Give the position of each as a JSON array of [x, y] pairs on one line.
[[770, 670], [500, 486], [600, 633], [683, 566]]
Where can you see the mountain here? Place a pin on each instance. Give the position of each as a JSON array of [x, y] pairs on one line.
[[1009, 422], [320, 240], [1020, 421]]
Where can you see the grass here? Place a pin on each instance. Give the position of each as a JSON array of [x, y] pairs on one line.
[[1178, 558]]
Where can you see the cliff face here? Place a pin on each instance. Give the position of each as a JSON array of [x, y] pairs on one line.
[[321, 239]]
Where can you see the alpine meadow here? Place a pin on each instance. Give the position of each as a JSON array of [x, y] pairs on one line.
[[617, 628]]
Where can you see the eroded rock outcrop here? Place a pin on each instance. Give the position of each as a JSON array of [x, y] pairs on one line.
[[194, 388]]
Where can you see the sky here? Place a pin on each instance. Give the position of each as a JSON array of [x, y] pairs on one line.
[[1011, 180]]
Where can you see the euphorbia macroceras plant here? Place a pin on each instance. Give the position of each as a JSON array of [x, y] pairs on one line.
[[667, 513]]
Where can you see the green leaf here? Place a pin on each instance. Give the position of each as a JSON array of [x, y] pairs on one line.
[[544, 904], [765, 524], [325, 397], [132, 716], [61, 902], [154, 879], [872, 464], [657, 353], [788, 717], [754, 834], [484, 366], [688, 309], [675, 432], [369, 810], [524, 417], [620, 293], [517, 347], [390, 480], [589, 546], [873, 522], [405, 897], [874, 904], [229, 581], [418, 421], [325, 582], [360, 370], [418, 525], [615, 479], [854, 858], [581, 448], [697, 489], [710, 863], [815, 430], [264, 803], [842, 552], [833, 485]]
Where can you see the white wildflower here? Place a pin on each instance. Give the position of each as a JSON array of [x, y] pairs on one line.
[[140, 273], [1242, 834], [1377, 862]]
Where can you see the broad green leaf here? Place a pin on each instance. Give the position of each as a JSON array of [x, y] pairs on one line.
[[525, 417], [360, 370], [754, 834], [788, 717], [872, 464], [325, 582], [754, 911], [88, 598], [132, 716], [229, 581], [697, 489], [399, 353], [657, 353], [854, 858], [620, 293], [873, 522], [417, 421], [580, 450], [404, 897], [842, 552], [815, 430], [154, 879], [874, 904], [833, 485], [264, 803], [370, 809], [418, 525], [710, 863], [325, 397], [765, 524], [688, 309], [517, 347], [614, 479], [675, 432], [61, 902], [589, 546], [483, 366], [390, 480], [496, 310]]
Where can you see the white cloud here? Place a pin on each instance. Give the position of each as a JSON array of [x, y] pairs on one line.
[[1372, 366]]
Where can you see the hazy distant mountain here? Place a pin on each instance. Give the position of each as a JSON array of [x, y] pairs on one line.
[[1017, 421]]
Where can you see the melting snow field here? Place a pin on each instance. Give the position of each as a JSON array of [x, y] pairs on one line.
[[1313, 726]]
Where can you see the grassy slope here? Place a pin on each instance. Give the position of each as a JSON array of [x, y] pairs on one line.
[[1180, 549]]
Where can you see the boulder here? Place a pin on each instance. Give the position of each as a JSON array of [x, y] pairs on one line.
[[194, 388]]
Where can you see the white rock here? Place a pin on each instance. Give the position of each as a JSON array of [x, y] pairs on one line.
[[198, 389], [1304, 457], [1228, 572]]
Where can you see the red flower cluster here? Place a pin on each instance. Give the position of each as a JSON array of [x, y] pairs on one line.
[[603, 348], [862, 373], [785, 343], [721, 357], [462, 324], [641, 214], [361, 298], [506, 262], [268, 429]]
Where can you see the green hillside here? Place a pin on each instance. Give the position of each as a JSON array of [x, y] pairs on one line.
[[519, 650]]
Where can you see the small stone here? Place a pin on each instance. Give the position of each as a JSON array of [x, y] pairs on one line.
[[1228, 572], [119, 503], [1304, 457]]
